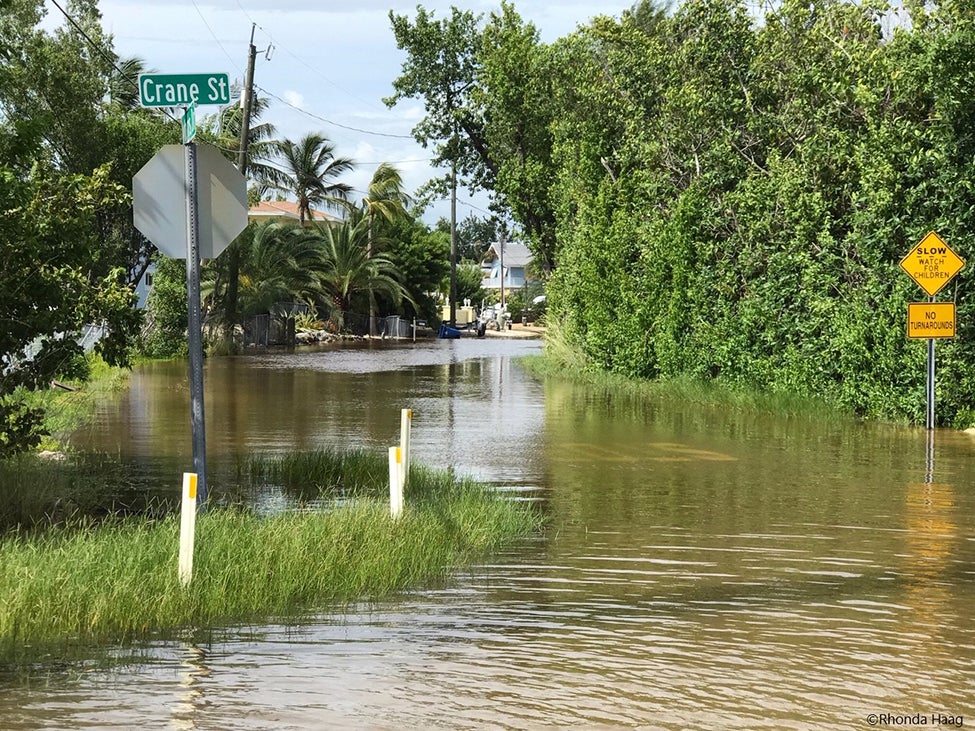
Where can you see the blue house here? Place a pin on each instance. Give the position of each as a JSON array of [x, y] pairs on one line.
[[507, 264]]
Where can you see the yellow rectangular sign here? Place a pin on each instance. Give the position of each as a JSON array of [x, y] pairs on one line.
[[931, 320]]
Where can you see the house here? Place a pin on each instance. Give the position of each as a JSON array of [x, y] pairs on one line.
[[144, 286], [511, 258], [284, 211]]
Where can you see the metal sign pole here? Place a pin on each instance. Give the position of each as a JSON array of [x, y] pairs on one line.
[[930, 419], [930, 384], [195, 321]]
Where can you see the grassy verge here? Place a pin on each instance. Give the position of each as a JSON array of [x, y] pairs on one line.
[[65, 411], [685, 389], [116, 580]]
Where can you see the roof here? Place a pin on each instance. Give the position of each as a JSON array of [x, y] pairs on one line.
[[515, 255], [267, 210]]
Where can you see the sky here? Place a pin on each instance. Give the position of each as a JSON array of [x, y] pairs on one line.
[[330, 65]]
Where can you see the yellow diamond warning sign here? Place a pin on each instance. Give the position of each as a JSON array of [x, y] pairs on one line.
[[931, 320], [932, 263]]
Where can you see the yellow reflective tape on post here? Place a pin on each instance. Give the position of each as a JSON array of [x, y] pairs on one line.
[[192, 486]]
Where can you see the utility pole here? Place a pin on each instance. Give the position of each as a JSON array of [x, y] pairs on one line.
[[245, 131], [245, 104], [501, 263], [453, 236]]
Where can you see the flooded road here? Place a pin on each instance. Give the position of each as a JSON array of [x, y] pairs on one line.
[[703, 568]]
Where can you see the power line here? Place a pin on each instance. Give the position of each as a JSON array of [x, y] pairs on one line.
[[113, 61], [304, 63], [217, 40], [329, 121], [101, 51], [314, 70], [93, 44]]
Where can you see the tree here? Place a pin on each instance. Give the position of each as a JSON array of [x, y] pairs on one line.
[[123, 82], [440, 69], [225, 131], [53, 86], [475, 234], [469, 280], [53, 282], [165, 331], [349, 271], [421, 257], [282, 262], [308, 169], [385, 198], [387, 201], [517, 76]]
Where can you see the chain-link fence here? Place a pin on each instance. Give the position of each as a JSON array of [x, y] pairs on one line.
[[274, 329]]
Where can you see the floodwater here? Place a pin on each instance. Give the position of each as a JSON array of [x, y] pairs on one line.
[[702, 568]]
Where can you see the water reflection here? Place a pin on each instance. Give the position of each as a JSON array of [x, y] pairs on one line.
[[191, 700], [703, 568]]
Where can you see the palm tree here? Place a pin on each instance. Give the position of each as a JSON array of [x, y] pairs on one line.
[[260, 148], [350, 271], [308, 169], [260, 136], [280, 263], [386, 199], [123, 82]]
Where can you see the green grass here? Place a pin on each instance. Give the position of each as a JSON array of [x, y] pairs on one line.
[[66, 411], [116, 580], [684, 389], [38, 493]]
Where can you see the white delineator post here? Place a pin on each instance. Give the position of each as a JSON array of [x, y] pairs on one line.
[[187, 528], [395, 481]]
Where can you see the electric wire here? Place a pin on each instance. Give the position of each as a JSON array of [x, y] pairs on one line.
[[329, 121], [108, 57], [214, 36]]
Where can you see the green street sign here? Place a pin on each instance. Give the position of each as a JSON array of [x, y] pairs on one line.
[[180, 90], [189, 124]]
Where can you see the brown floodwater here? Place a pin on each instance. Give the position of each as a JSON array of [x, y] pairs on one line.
[[703, 568]]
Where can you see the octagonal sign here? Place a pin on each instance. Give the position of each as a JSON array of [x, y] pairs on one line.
[[159, 193]]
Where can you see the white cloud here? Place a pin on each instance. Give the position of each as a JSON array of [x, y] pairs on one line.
[[294, 99], [334, 62]]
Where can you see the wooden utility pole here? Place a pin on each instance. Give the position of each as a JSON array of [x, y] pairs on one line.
[[245, 130]]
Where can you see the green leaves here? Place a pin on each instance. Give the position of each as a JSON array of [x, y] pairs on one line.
[[731, 198]]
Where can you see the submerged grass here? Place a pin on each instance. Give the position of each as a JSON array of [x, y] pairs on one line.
[[117, 580], [687, 390], [37, 492]]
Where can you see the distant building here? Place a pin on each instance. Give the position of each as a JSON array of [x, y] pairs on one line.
[[144, 286], [515, 259], [284, 211]]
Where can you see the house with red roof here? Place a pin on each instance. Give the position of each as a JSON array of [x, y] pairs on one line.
[[285, 211]]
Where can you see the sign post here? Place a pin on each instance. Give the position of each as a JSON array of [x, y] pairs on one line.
[[932, 264], [185, 217], [195, 323]]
